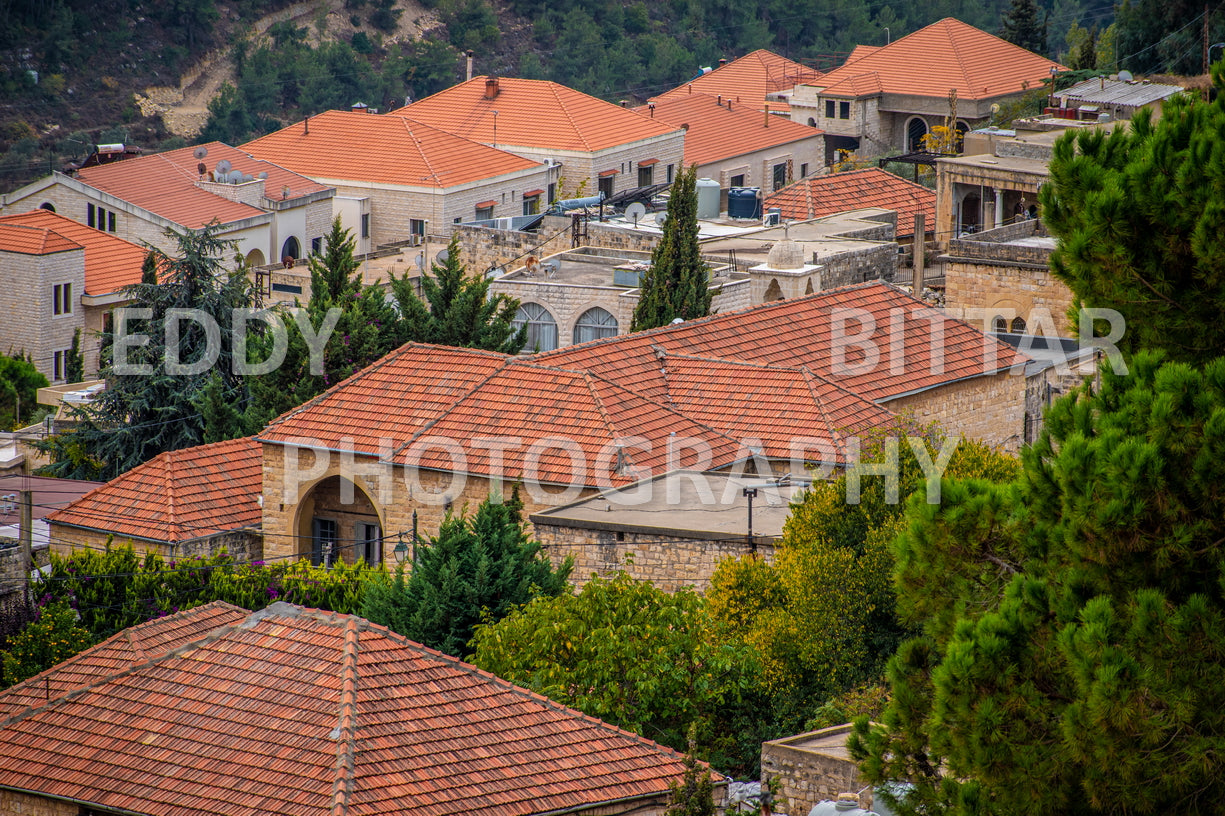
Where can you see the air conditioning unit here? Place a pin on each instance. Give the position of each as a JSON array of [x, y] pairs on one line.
[[773, 218]]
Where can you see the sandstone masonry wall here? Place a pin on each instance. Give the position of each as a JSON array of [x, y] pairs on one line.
[[990, 408]]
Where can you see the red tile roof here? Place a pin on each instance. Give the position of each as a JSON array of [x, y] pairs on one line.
[[919, 347], [420, 393], [716, 133], [343, 145], [27, 239], [111, 263], [165, 184], [944, 55], [533, 114], [748, 80], [312, 713], [177, 496], [819, 196]]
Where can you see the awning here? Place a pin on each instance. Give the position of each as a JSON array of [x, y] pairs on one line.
[[648, 162], [485, 205], [607, 173], [530, 193]]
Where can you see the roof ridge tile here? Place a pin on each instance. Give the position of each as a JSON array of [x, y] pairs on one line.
[[346, 727]]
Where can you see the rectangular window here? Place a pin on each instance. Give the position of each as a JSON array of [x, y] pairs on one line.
[[110, 221], [324, 538], [484, 213], [829, 109], [416, 226], [316, 246], [780, 175], [552, 193], [369, 543], [365, 225], [606, 185], [89, 214], [804, 170], [531, 205], [844, 110], [669, 174], [61, 299], [60, 365], [738, 180], [645, 176]]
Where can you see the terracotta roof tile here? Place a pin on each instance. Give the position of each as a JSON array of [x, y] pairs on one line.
[[929, 62], [716, 133], [165, 184], [819, 196], [343, 145], [313, 713], [748, 80], [28, 239], [922, 349], [110, 262], [533, 114], [177, 496]]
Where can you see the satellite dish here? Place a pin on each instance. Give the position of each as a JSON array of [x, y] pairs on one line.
[[442, 257], [660, 218], [264, 174], [235, 176], [200, 152], [1125, 76], [247, 177], [995, 108], [223, 167], [635, 212]]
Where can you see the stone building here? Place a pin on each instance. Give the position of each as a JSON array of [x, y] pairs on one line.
[[269, 212], [397, 179], [760, 80], [600, 147], [888, 98], [813, 767], [225, 712], [179, 504], [59, 277], [872, 188]]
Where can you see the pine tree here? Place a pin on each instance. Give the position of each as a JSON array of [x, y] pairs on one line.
[[476, 569], [74, 366], [694, 794], [1139, 218], [148, 269], [678, 283], [1073, 655], [1022, 28], [457, 309]]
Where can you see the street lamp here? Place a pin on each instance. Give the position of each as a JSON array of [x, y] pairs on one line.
[[401, 550], [750, 493]]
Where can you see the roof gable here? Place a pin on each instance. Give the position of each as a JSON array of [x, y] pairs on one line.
[[111, 263], [720, 129], [385, 149], [314, 713], [819, 196], [945, 55], [29, 239], [532, 113], [748, 79]]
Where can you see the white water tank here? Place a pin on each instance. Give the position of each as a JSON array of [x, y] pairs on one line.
[[708, 199]]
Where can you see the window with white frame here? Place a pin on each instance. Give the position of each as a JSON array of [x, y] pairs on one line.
[[369, 543], [61, 299]]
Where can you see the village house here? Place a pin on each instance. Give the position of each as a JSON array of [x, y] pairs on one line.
[[886, 99], [760, 80], [194, 501], [332, 715], [397, 179], [736, 144], [825, 195], [269, 212], [601, 148], [59, 277]]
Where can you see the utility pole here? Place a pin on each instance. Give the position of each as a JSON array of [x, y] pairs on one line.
[[1206, 49], [27, 522], [919, 245]]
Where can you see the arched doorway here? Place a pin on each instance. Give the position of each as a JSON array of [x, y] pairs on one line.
[[916, 129], [47, 205], [291, 249], [337, 521], [255, 258]]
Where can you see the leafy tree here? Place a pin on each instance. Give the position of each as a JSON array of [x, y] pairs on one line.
[[19, 384], [149, 406], [475, 570], [677, 284], [1140, 225], [1073, 619], [457, 309], [1022, 27], [630, 654], [53, 636], [74, 365]]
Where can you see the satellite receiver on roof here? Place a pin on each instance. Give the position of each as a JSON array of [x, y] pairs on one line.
[[223, 167], [635, 212], [1125, 76], [234, 176], [247, 177], [200, 152], [442, 257], [660, 218], [263, 174]]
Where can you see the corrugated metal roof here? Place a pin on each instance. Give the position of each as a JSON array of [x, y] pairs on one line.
[[1102, 91]]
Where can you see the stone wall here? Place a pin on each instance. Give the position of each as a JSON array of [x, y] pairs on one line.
[[244, 545], [13, 803], [669, 561], [857, 266], [12, 566], [807, 775], [990, 408]]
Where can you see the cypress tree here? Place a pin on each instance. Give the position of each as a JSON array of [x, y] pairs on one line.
[[1021, 26], [677, 284], [74, 368]]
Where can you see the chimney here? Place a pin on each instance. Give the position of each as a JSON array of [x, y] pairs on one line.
[[469, 55], [306, 126], [767, 115], [651, 108], [729, 103], [624, 103], [690, 87], [360, 107], [722, 62], [491, 87], [719, 100]]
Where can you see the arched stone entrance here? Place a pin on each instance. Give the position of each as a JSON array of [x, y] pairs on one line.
[[255, 258], [338, 521]]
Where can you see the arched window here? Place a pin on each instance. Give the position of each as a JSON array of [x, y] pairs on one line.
[[291, 249], [999, 325], [1018, 326], [812, 122], [594, 324], [47, 205], [916, 129], [541, 327], [963, 127], [773, 292]]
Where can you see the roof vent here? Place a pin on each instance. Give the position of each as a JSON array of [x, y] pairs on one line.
[[360, 107], [491, 88]]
